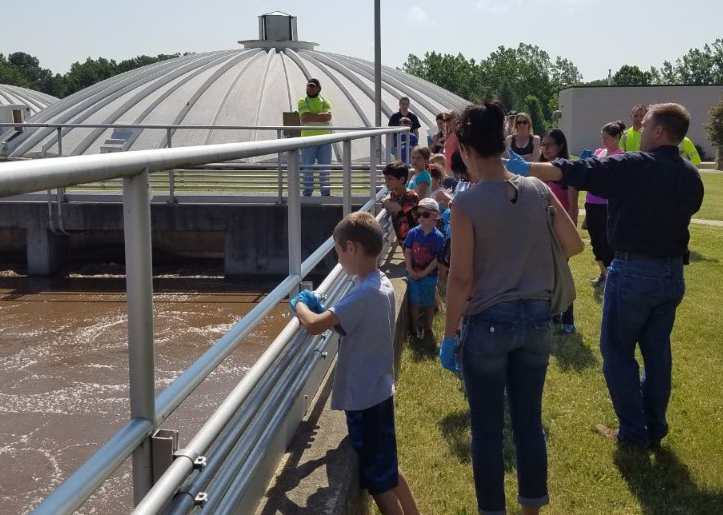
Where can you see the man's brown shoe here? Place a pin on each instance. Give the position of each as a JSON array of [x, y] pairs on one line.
[[607, 432]]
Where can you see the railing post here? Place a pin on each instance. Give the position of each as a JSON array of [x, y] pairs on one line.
[[139, 305], [293, 207], [60, 141], [346, 177], [281, 171], [388, 149], [171, 172], [373, 162]]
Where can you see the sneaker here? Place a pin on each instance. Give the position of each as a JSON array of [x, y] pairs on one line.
[[607, 432], [599, 280], [569, 329]]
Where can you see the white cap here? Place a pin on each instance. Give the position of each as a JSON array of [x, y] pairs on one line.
[[429, 203]]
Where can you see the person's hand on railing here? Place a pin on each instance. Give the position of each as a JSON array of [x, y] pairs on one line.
[[311, 299], [517, 164], [448, 353]]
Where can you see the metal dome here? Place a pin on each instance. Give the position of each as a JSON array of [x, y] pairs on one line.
[[33, 100], [251, 86]]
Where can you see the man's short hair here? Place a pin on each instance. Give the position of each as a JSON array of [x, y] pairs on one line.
[[639, 106], [673, 118], [396, 169], [404, 98], [361, 228]]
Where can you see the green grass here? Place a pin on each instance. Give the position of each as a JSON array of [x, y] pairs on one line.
[[587, 474]]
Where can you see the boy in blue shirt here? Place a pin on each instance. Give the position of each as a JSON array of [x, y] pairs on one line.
[[364, 377], [421, 247]]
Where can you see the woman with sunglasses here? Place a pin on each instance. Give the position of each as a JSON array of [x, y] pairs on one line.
[[523, 141], [554, 145], [500, 280]]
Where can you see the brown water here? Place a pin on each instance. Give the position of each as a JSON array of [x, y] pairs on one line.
[[64, 372]]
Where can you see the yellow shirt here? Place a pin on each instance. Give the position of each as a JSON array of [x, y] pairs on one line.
[[630, 142], [315, 105], [688, 151]]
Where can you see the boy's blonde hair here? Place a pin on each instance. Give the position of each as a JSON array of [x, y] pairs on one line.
[[361, 228], [438, 158]]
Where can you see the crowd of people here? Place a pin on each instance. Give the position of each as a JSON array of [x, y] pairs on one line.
[[483, 213]]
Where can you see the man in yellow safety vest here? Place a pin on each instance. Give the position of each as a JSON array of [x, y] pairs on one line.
[[315, 111], [630, 141], [688, 151]]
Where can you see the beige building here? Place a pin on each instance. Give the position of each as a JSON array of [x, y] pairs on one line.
[[585, 109]]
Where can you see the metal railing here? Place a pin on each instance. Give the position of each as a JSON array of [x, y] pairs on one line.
[[271, 378]]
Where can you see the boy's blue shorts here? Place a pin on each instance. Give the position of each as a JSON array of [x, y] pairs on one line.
[[422, 291], [374, 439]]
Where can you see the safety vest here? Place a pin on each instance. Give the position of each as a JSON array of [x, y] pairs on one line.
[[630, 141], [306, 107]]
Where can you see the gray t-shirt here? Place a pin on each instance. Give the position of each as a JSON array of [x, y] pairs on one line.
[[365, 366]]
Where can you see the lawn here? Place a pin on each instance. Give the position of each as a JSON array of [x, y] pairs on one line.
[[587, 474]]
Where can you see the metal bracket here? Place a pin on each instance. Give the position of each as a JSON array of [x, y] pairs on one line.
[[164, 443], [200, 499], [198, 461]]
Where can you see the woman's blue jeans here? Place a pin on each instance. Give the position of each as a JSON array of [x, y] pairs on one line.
[[507, 346]]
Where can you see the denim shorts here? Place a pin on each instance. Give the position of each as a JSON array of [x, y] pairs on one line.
[[374, 438], [422, 291]]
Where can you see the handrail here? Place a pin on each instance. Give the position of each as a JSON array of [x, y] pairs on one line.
[[34, 125], [29, 176], [61, 172]]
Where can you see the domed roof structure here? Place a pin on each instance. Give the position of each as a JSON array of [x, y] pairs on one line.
[[33, 100], [251, 86]]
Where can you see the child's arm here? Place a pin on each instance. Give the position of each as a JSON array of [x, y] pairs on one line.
[[408, 262], [313, 322], [430, 268], [391, 205]]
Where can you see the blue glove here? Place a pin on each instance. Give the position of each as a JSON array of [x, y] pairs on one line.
[[516, 164], [448, 353], [586, 154], [310, 299]]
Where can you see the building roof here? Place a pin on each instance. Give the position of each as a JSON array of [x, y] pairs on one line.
[[248, 86], [34, 100]]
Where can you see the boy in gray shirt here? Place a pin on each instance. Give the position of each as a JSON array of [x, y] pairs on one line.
[[364, 378]]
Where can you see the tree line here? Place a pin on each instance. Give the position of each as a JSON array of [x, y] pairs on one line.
[[21, 69], [526, 78]]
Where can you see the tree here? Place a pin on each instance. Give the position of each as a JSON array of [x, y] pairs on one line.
[[632, 76], [714, 129], [534, 109], [453, 73]]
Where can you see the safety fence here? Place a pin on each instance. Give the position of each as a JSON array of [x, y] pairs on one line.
[[227, 464]]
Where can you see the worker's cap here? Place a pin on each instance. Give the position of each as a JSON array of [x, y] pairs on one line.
[[314, 82]]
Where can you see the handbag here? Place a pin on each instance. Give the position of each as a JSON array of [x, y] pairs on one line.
[[563, 292]]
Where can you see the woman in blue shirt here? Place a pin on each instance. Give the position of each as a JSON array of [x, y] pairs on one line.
[[420, 180]]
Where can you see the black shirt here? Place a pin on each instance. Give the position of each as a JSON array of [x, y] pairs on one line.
[[394, 120], [651, 197]]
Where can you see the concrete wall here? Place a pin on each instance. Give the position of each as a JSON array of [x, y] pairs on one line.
[[586, 109], [251, 239]]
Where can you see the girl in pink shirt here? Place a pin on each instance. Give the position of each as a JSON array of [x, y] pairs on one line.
[[596, 208], [554, 146]]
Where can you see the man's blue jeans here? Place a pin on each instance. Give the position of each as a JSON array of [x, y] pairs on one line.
[[641, 296], [507, 346], [316, 155]]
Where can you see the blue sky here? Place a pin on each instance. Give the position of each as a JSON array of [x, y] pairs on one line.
[[596, 35]]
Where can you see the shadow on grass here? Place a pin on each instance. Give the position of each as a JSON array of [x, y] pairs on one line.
[[572, 353], [696, 257], [424, 348], [457, 432], [663, 484]]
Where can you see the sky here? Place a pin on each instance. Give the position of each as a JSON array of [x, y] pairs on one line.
[[596, 35]]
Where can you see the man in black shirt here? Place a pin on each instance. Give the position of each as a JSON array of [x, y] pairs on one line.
[[404, 112], [652, 196]]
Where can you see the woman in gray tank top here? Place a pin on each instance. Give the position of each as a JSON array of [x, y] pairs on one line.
[[500, 281]]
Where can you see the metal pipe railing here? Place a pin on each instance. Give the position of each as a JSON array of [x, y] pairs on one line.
[[174, 127], [44, 174], [134, 167]]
